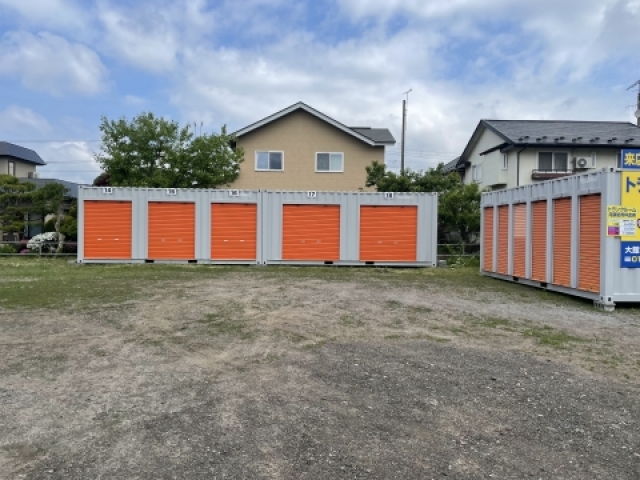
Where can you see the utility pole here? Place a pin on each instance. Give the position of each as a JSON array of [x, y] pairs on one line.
[[404, 129], [637, 84]]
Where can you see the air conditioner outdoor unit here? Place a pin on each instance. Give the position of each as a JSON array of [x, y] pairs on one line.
[[33, 175], [581, 162]]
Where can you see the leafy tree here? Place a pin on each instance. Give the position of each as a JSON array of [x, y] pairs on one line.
[[15, 203], [458, 204], [150, 151], [102, 180], [51, 198], [68, 225]]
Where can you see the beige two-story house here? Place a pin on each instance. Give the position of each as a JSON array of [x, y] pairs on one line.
[[18, 161], [510, 153], [300, 148]]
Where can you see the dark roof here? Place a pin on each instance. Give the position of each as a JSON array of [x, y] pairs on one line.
[[621, 134], [556, 133], [20, 153], [72, 188], [451, 166], [371, 136], [378, 135]]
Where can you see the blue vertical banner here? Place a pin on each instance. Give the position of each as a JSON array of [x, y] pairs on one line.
[[629, 254]]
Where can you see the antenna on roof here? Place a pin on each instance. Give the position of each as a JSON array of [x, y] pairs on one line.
[[637, 84]]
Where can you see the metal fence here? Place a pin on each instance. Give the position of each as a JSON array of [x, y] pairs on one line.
[[450, 252], [42, 249]]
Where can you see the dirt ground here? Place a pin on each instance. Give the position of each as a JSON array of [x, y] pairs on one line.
[[274, 374]]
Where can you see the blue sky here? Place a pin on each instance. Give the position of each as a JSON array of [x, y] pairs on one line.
[[65, 63]]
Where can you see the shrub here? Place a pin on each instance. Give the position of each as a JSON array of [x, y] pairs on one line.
[[45, 242], [7, 248]]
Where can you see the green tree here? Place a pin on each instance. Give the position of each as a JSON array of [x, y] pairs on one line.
[[15, 204], [458, 204], [150, 151], [51, 198]]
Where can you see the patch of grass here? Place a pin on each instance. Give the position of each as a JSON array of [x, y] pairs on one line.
[[296, 337], [393, 337], [317, 344], [432, 338], [41, 366], [551, 337], [223, 325], [351, 321], [393, 304]]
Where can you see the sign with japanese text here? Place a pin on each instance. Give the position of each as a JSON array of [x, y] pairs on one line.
[[630, 159], [630, 255], [621, 221], [630, 198]]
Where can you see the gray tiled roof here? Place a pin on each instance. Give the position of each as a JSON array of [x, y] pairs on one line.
[[452, 165], [20, 153], [378, 135], [41, 182], [563, 132]]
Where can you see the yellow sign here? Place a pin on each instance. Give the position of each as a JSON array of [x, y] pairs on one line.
[[630, 198], [621, 221]]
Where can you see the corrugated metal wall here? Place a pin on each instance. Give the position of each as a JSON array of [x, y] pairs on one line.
[[172, 231], [562, 242], [261, 227], [487, 240], [234, 231], [107, 230], [311, 232], [589, 243], [567, 246], [539, 241], [520, 240], [503, 239], [388, 234]]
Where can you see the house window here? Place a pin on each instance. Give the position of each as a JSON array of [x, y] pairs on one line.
[[266, 161], [505, 161], [329, 162], [553, 161], [476, 173], [12, 169]]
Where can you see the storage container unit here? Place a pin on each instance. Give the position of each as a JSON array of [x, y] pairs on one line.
[[107, 230], [556, 238], [173, 225], [350, 228], [138, 225]]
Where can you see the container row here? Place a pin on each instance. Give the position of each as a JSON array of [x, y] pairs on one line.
[[138, 225], [555, 235]]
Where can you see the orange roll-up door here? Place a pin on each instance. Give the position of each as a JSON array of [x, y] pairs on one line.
[[172, 229], [388, 233], [519, 240], [539, 241], [589, 244], [107, 230], [234, 231], [487, 239], [562, 242], [311, 232], [503, 239]]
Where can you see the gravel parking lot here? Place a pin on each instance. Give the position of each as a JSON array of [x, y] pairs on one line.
[[197, 372]]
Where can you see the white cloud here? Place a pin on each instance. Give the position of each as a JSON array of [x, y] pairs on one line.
[[54, 14], [47, 62], [133, 100], [151, 36], [70, 160], [19, 122]]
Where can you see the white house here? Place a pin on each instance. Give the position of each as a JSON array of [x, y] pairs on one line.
[[510, 153]]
